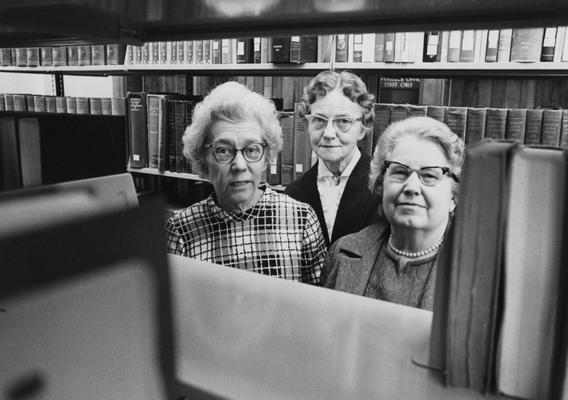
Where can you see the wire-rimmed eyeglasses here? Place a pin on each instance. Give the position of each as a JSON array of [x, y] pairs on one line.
[[318, 123], [225, 154], [429, 176]]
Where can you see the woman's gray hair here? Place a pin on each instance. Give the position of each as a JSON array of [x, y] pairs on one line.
[[230, 102], [420, 127], [352, 87]]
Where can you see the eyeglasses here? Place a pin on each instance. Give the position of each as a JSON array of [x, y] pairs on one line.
[[318, 123], [224, 154], [429, 176]]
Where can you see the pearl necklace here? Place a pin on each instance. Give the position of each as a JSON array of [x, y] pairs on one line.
[[415, 254]]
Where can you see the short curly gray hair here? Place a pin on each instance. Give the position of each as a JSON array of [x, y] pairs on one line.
[[230, 102], [352, 87], [421, 127]]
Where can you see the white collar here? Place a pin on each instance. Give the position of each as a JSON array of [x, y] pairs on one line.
[[323, 171]]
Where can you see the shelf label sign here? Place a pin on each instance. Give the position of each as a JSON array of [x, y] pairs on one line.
[[400, 83]]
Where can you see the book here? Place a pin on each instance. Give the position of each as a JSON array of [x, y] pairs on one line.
[[496, 123], [295, 47], [32, 57], [357, 47], [8, 102], [30, 151], [10, 175], [368, 49], [492, 45], [302, 146], [533, 264], [19, 102], [526, 44], [73, 55], [504, 49], [516, 125], [564, 134], [467, 46], [454, 46], [188, 52], [390, 38], [308, 49], [60, 104], [559, 45], [118, 106], [29, 99], [137, 129], [551, 127], [476, 262], [417, 111], [245, 51], [83, 55], [98, 54], [381, 122], [533, 131], [106, 106], [432, 46], [115, 54], [287, 152], [46, 56], [180, 51], [475, 125], [480, 45], [5, 57], [565, 47], [39, 103], [548, 44], [379, 47], [257, 55], [342, 48], [456, 119], [95, 106], [398, 112], [207, 52], [436, 112], [280, 49], [82, 105], [216, 51]]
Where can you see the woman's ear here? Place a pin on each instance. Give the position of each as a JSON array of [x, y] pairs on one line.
[[453, 205]]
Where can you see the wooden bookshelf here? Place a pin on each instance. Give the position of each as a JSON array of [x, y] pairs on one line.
[[435, 69]]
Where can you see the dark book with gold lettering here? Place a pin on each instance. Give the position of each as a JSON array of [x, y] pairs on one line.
[[496, 123], [551, 127], [516, 125], [456, 119], [137, 129], [533, 131], [475, 125]]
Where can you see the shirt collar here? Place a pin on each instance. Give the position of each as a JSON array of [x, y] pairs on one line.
[[323, 171], [252, 212]]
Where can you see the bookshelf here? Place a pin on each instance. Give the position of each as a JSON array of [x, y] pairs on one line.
[[41, 23]]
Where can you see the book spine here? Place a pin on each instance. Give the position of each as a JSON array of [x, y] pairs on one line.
[[456, 119], [564, 133], [20, 102], [431, 52], [533, 131], [39, 103], [526, 44], [492, 45], [516, 125], [46, 56], [33, 57], [50, 104], [496, 123], [83, 55], [467, 46], [551, 127], [137, 127], [357, 47], [342, 48], [95, 106], [257, 52], [454, 46], [207, 51], [398, 112], [295, 53], [308, 49], [436, 112], [287, 153], [548, 43], [281, 49], [379, 47], [98, 54], [475, 126], [302, 147], [106, 106]]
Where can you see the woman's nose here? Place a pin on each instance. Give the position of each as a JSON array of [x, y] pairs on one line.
[[239, 162], [413, 183], [329, 131]]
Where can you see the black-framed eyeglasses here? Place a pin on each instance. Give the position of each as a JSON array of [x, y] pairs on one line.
[[429, 176], [225, 154], [318, 123]]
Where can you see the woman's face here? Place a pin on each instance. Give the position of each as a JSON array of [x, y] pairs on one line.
[[237, 183], [411, 204], [332, 146]]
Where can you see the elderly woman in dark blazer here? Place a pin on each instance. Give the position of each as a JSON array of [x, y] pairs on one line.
[[415, 171], [339, 112]]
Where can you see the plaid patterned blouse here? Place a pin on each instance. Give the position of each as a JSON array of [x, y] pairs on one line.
[[279, 236]]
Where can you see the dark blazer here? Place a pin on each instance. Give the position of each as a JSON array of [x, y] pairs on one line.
[[351, 259], [357, 207]]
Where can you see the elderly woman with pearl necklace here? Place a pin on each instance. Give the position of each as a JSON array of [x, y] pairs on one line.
[[415, 170]]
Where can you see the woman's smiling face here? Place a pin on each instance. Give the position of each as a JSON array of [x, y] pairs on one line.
[[411, 204]]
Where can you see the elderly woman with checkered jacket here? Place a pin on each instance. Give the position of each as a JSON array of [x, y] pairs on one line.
[[243, 224]]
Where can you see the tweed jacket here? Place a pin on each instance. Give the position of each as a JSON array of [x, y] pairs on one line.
[[357, 207], [351, 259]]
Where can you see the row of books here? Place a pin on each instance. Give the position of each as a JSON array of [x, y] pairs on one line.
[[58, 56], [500, 311], [38, 149], [547, 127], [498, 45], [62, 104]]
